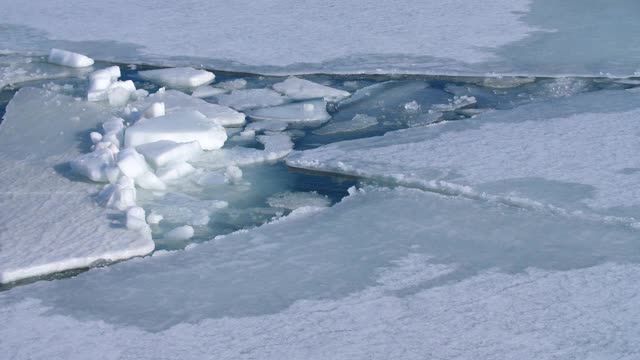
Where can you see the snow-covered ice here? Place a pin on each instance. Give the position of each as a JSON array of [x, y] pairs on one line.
[[180, 77], [359, 122], [179, 126], [276, 146], [207, 91], [353, 278], [575, 153], [68, 58], [49, 222]]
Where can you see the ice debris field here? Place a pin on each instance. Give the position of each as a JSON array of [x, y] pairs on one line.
[[179, 212]]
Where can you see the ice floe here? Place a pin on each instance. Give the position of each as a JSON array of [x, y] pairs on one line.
[[301, 89], [313, 112], [179, 77], [572, 153], [51, 223], [174, 100], [179, 126], [353, 278], [251, 98]]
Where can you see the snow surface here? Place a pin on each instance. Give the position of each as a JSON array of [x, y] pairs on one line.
[[541, 37], [352, 282], [577, 154], [49, 221]]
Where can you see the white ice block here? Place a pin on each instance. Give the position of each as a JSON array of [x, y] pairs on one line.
[[182, 126], [163, 152], [174, 171], [180, 77], [180, 233], [301, 89], [93, 165], [302, 112], [251, 99], [178, 101], [68, 58], [204, 91]]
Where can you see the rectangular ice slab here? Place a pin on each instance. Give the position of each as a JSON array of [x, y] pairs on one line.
[[180, 126], [385, 274], [578, 153], [68, 58], [301, 112], [301, 89], [163, 152], [178, 101], [180, 77], [49, 222]]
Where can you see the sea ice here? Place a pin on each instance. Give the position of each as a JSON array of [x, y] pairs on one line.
[[383, 274], [68, 58], [180, 77], [276, 147], [178, 101], [301, 89], [295, 200], [179, 126], [569, 153], [163, 152], [204, 91], [313, 112], [51, 223], [251, 98], [180, 233], [359, 122]]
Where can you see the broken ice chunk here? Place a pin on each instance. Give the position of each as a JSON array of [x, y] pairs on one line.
[[68, 58], [274, 125], [300, 89], [295, 200], [182, 126], [458, 102], [302, 112], [93, 165], [174, 171], [180, 233], [180, 77], [251, 98], [154, 218], [163, 152], [136, 219], [359, 122], [207, 91], [235, 84], [178, 101], [120, 196], [154, 110], [131, 163]]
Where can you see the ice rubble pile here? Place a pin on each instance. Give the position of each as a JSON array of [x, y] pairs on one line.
[[169, 135]]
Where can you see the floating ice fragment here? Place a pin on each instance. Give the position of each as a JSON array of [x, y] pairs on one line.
[[251, 98], [233, 174], [68, 58], [181, 126], [178, 101], [180, 77], [180, 233], [295, 200], [154, 218], [235, 84], [300, 89], [207, 91], [458, 102], [273, 125], [303, 112], [359, 122], [154, 110]]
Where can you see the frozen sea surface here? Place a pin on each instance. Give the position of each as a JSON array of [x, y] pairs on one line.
[[520, 240], [443, 277], [539, 37]]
